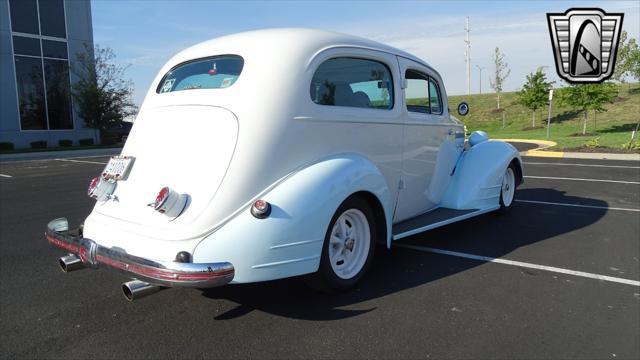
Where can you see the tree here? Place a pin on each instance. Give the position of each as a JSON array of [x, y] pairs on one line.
[[626, 59], [501, 73], [606, 93], [101, 94], [535, 92], [634, 63], [588, 97]]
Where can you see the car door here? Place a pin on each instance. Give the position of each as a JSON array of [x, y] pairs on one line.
[[429, 148]]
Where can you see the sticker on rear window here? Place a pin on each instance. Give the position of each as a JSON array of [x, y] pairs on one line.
[[226, 82], [168, 84]]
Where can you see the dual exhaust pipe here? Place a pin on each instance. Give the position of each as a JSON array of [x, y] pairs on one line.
[[70, 263], [136, 289], [132, 290]]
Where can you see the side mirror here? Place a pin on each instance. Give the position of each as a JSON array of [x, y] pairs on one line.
[[463, 108]]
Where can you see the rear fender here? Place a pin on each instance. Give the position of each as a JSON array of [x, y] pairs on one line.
[[289, 241], [478, 176]]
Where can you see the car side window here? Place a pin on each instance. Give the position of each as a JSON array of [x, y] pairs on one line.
[[417, 92], [353, 82], [434, 97]]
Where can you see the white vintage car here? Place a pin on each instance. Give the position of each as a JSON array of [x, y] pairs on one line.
[[277, 153]]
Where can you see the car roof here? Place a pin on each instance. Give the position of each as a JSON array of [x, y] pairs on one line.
[[291, 41]]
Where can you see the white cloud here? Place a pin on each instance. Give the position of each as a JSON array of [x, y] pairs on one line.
[[524, 38], [438, 39]]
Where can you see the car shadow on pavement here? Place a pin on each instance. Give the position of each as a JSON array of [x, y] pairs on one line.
[[399, 269]]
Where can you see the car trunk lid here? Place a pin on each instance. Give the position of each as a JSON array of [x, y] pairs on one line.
[[185, 147]]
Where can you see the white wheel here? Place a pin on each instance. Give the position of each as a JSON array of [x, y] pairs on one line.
[[508, 188], [349, 244]]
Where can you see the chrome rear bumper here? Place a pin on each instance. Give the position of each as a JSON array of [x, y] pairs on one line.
[[161, 273]]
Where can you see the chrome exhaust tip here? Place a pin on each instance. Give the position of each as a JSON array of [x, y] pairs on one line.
[[70, 263], [136, 289]]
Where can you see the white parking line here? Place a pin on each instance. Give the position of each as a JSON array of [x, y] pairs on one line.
[[88, 157], [577, 205], [5, 176], [82, 161], [583, 165], [521, 264], [579, 179]]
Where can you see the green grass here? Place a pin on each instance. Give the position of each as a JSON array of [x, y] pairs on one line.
[[612, 128]]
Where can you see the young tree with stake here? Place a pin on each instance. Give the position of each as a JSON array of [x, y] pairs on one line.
[[588, 97], [535, 92], [501, 73]]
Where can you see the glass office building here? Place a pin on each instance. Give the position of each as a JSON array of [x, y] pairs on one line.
[[40, 41]]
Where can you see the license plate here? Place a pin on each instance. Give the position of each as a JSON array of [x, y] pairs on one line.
[[118, 167]]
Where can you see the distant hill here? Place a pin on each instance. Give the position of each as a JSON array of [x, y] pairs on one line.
[[611, 128]]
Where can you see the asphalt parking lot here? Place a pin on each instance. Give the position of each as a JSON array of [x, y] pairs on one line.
[[558, 277]]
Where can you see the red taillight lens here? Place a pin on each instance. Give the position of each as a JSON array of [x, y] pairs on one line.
[[169, 202], [93, 185], [101, 188], [261, 209], [162, 197], [261, 205]]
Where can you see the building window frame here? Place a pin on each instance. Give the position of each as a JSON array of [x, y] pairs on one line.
[[42, 58]]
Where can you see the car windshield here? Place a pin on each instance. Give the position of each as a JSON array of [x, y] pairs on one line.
[[211, 73]]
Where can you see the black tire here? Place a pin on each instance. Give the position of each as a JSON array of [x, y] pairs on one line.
[[506, 208], [325, 279]]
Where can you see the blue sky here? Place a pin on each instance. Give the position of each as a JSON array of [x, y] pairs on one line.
[[147, 33]]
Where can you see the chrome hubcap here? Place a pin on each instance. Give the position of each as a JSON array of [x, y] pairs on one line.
[[508, 187]]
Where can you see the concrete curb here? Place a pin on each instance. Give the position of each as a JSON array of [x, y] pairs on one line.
[[544, 144], [62, 154], [600, 156]]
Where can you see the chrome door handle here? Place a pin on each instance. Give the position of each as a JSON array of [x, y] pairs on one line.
[[458, 134]]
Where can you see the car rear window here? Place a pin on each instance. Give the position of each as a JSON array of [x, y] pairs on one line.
[[215, 72]]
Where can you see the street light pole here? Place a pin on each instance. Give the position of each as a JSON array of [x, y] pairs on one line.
[[467, 53], [480, 68]]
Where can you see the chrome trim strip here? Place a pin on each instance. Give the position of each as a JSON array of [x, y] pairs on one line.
[[444, 222], [295, 244], [161, 273], [285, 262]]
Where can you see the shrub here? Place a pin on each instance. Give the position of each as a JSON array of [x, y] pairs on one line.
[[85, 142], [631, 145], [592, 143], [40, 144], [65, 143], [6, 145]]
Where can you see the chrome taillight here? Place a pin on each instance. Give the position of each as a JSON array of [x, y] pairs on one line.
[[93, 186], [101, 188], [161, 198], [260, 209], [169, 202]]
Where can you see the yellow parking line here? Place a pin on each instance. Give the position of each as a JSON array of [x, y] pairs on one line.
[[542, 144], [547, 154]]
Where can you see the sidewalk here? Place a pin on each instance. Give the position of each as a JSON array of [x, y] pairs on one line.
[[543, 144], [59, 154]]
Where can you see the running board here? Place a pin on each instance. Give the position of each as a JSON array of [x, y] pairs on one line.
[[434, 219]]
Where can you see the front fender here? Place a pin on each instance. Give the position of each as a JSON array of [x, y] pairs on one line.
[[289, 241], [478, 176]]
